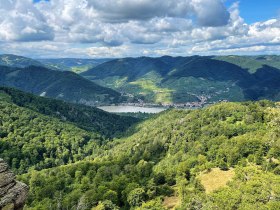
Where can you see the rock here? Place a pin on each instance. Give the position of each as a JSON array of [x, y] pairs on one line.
[[6, 177], [13, 194]]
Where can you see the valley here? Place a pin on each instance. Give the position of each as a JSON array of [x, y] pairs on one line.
[[179, 82], [173, 138], [139, 105], [189, 81]]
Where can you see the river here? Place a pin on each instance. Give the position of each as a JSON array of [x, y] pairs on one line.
[[122, 109]]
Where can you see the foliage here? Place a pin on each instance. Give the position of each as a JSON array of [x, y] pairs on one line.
[[31, 139], [85, 117], [164, 157]]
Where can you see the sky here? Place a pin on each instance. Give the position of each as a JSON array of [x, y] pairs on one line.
[[133, 28]]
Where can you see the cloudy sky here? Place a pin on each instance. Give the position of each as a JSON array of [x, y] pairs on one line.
[[122, 28]]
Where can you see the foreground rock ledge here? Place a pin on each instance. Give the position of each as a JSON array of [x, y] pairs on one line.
[[12, 193]]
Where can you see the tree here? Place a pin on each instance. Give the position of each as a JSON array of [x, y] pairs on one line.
[[223, 165], [106, 205], [136, 197], [111, 196]]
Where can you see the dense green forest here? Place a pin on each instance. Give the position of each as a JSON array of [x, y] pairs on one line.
[[85, 117], [41, 133], [167, 162], [18, 61]]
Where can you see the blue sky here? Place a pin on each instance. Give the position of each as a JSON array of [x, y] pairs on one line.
[[257, 10], [108, 28]]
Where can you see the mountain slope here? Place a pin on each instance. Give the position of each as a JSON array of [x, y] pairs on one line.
[[189, 79], [67, 86], [30, 139], [85, 117], [17, 61], [166, 158], [72, 64], [40, 133], [252, 63]]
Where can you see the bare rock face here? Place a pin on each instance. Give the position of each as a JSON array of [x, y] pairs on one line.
[[12, 193]]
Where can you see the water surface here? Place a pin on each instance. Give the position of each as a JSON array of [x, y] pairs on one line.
[[122, 109]]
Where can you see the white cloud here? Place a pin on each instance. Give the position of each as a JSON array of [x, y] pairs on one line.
[[117, 28], [21, 21], [210, 13]]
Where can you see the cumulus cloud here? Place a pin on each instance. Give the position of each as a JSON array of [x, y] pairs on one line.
[[117, 28], [207, 12], [21, 21], [137, 21], [210, 13]]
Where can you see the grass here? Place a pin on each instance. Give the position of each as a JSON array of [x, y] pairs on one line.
[[162, 95], [171, 202], [80, 69], [248, 63], [215, 179]]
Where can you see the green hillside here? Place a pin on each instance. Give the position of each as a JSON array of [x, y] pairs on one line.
[[72, 64], [66, 86], [252, 63], [85, 117], [167, 161], [18, 61], [191, 79], [42, 133]]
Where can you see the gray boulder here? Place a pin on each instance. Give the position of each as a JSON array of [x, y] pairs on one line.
[[13, 194]]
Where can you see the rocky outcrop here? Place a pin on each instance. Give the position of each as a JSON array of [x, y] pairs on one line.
[[12, 193]]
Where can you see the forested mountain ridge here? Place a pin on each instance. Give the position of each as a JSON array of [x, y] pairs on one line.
[[88, 118], [66, 86], [30, 139], [252, 63], [18, 61], [189, 79], [61, 64], [37, 132], [72, 64], [180, 81], [168, 157]]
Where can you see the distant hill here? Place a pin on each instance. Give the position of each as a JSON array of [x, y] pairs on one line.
[[190, 79], [252, 63], [76, 65], [72, 64], [18, 61], [66, 86]]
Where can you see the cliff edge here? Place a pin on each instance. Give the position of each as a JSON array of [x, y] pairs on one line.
[[12, 193]]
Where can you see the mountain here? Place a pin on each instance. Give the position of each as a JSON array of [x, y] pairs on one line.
[[190, 79], [225, 156], [17, 61], [85, 117], [42, 133], [66, 86], [77, 65], [252, 63]]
